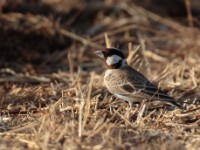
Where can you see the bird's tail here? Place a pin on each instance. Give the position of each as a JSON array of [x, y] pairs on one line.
[[176, 104]]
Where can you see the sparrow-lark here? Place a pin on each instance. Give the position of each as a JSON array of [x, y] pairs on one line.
[[128, 84]]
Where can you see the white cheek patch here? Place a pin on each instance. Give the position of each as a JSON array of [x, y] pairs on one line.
[[113, 60]]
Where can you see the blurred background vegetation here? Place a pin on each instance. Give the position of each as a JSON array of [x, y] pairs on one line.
[[38, 33], [50, 97]]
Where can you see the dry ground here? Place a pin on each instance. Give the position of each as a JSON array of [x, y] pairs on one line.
[[51, 91]]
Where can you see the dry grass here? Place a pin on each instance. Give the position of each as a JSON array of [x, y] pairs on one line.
[[51, 91]]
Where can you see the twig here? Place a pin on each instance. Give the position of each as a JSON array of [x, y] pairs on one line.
[[108, 42], [189, 13], [132, 8], [28, 126], [78, 38], [87, 105]]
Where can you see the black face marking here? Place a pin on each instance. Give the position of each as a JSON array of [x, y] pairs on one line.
[[107, 52]]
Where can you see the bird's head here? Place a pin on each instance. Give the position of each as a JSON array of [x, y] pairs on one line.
[[113, 57]]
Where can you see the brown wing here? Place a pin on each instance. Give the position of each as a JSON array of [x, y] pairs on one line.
[[139, 85]]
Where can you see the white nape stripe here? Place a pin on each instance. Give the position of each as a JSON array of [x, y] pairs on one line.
[[114, 59]]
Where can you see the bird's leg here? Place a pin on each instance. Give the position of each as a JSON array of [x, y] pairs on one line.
[[128, 110], [141, 112], [130, 104]]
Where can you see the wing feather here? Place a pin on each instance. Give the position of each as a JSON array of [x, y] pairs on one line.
[[135, 86], [137, 83]]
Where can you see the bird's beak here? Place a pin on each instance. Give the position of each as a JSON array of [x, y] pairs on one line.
[[99, 53]]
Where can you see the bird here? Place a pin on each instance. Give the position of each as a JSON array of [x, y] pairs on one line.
[[126, 83]]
